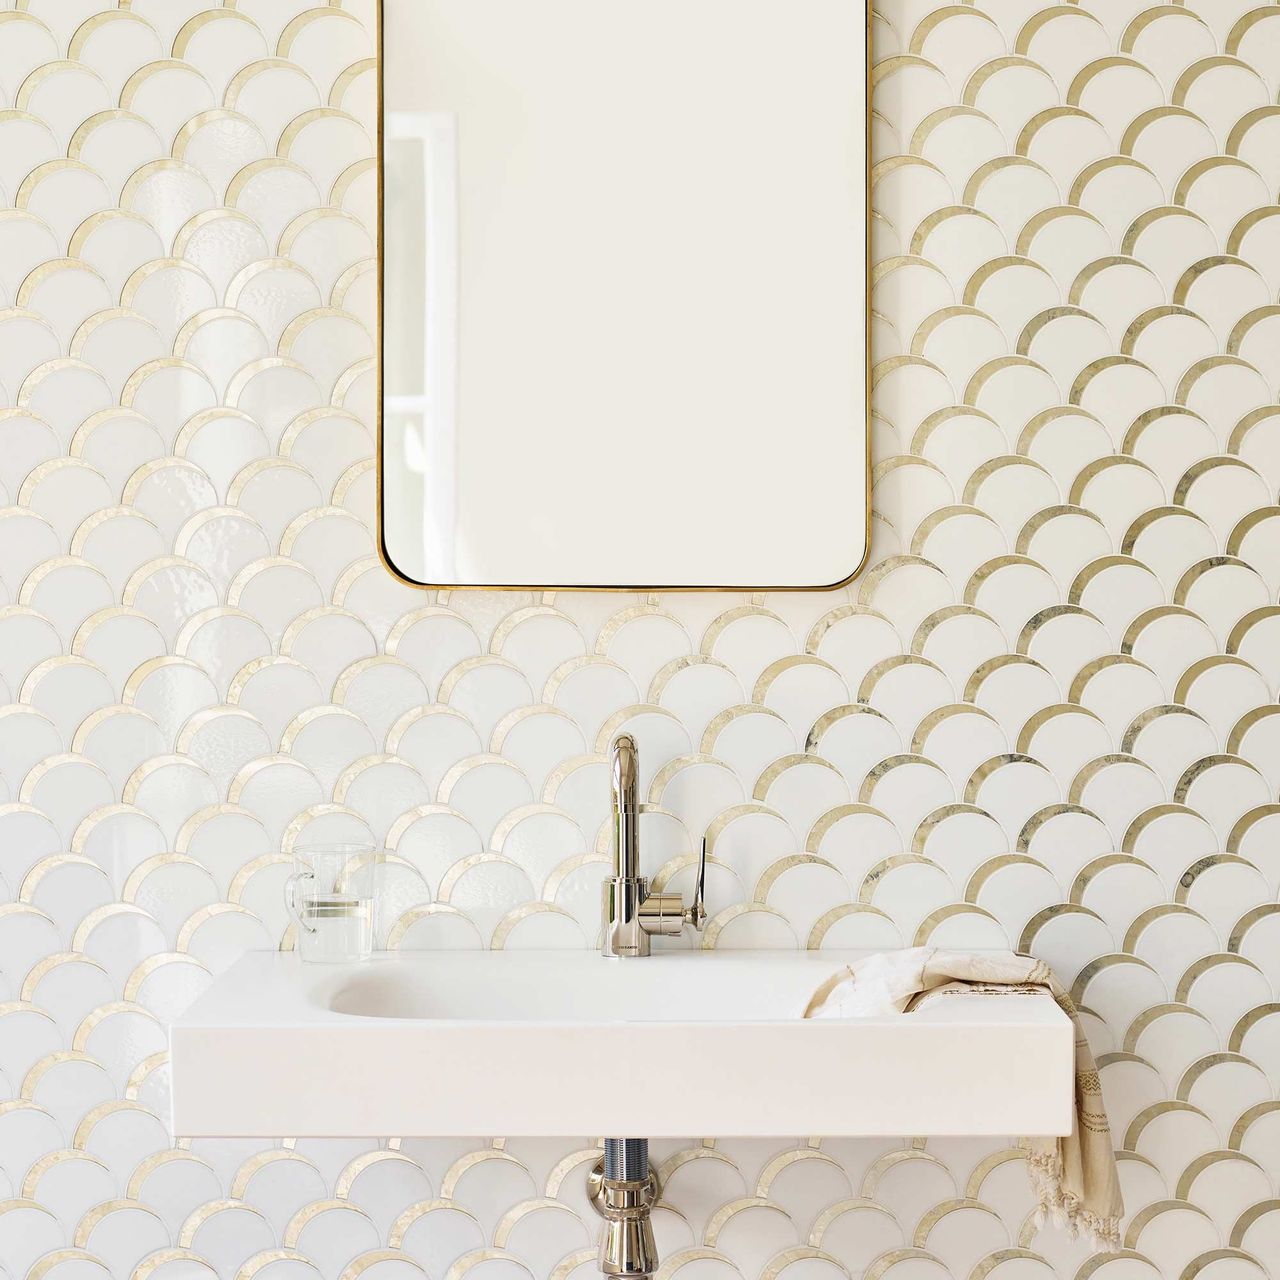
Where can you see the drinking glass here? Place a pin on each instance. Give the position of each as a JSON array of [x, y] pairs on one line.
[[332, 897]]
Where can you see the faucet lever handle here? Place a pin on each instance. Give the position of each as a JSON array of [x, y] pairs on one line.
[[696, 915]]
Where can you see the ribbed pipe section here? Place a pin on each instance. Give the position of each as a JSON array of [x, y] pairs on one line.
[[626, 1159]]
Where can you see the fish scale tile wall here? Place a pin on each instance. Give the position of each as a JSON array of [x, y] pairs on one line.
[[1045, 716]]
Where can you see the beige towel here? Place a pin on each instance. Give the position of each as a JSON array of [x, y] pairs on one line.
[[1074, 1178]]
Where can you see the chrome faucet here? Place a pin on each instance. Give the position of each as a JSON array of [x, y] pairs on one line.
[[631, 915]]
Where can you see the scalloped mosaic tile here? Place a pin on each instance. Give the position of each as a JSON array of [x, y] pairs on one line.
[[1046, 715]]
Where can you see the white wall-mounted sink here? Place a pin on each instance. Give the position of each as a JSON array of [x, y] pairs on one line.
[[549, 1044]]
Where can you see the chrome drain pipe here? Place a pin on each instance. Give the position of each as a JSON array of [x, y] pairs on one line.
[[626, 1159], [623, 1191]]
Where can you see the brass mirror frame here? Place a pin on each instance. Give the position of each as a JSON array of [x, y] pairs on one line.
[[380, 539]]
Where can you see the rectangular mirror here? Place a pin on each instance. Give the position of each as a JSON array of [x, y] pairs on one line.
[[623, 256]]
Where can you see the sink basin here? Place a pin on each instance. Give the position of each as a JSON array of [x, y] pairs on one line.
[[567, 1043]]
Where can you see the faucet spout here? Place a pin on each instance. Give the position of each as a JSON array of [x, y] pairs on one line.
[[624, 775]]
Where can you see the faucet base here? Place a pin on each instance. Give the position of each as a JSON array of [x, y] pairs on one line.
[[624, 934], [627, 1247]]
